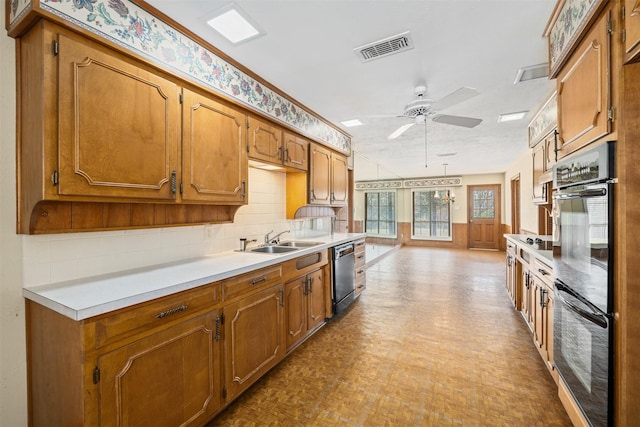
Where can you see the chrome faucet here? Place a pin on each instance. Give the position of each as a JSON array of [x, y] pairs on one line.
[[275, 239]]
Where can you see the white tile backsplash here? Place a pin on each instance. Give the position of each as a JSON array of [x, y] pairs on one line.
[[57, 257]]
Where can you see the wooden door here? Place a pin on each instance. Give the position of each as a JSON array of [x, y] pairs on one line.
[[339, 180], [315, 299], [296, 152], [168, 379], [319, 175], [295, 302], [254, 338], [484, 216], [265, 141], [215, 165], [118, 125], [584, 95]]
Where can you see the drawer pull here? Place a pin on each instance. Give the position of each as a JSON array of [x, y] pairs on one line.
[[260, 280], [360, 271], [360, 256], [543, 272], [171, 311]]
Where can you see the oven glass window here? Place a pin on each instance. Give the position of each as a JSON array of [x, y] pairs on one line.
[[576, 348]]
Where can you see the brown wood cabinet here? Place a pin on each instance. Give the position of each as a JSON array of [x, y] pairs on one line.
[[542, 311], [100, 144], [265, 141], [631, 31], [254, 338], [526, 290], [305, 306], [544, 157], [585, 107], [511, 273], [328, 177], [155, 361], [269, 143], [214, 155]]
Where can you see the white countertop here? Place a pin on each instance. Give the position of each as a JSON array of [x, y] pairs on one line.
[[520, 240], [83, 298]]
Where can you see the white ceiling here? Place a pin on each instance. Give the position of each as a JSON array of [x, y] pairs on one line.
[[307, 52]]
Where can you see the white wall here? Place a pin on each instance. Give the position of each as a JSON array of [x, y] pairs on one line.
[[522, 167]]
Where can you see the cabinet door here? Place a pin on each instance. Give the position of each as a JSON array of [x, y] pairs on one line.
[[254, 338], [296, 310], [167, 379], [315, 299], [319, 175], [215, 165], [339, 180], [550, 147], [526, 296], [584, 96], [296, 152], [118, 125], [548, 318], [265, 141], [538, 313], [631, 21], [539, 189]]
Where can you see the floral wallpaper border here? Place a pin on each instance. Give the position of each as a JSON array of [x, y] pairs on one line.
[[17, 8], [570, 20], [448, 181], [544, 121], [133, 28]]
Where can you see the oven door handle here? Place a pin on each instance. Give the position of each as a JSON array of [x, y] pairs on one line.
[[595, 316], [582, 194]]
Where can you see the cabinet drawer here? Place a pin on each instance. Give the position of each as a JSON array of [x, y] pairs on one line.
[[244, 283], [360, 259], [543, 271], [360, 246], [155, 313], [305, 264], [360, 273]]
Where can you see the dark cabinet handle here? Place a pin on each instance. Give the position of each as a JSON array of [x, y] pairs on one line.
[[543, 272], [174, 183], [171, 311], [260, 280]]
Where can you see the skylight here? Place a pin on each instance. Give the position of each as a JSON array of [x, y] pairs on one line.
[[234, 24]]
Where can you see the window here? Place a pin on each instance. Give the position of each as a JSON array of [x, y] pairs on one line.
[[380, 213], [431, 217]]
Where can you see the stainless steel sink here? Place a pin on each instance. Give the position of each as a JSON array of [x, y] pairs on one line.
[[294, 244], [274, 249]]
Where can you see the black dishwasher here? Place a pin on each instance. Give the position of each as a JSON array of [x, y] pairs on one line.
[[344, 277]]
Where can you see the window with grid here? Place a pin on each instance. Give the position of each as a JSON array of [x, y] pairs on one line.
[[431, 217], [380, 213], [483, 204]]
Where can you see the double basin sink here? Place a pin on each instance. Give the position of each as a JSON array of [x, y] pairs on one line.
[[283, 247]]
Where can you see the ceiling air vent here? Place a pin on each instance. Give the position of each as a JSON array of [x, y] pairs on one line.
[[385, 47], [531, 73]]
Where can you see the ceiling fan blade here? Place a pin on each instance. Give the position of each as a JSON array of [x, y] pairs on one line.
[[467, 122], [402, 129], [454, 98]]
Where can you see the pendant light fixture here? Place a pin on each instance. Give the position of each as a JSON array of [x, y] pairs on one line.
[[448, 196]]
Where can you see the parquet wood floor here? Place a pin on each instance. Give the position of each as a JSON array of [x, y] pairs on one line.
[[433, 341]]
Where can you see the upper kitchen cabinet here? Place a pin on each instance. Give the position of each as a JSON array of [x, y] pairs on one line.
[[93, 124], [268, 143], [631, 31], [543, 141], [214, 154], [328, 177], [585, 106], [265, 141], [296, 152]]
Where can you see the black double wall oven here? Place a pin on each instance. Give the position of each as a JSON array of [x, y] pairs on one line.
[[583, 269]]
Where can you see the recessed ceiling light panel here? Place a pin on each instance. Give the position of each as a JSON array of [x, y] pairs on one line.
[[509, 117], [234, 24], [352, 123]]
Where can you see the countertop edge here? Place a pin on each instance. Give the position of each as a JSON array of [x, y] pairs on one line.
[[56, 296]]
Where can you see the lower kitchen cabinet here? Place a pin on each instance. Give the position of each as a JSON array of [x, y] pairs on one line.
[[305, 306], [169, 378], [360, 266], [512, 274], [254, 338], [543, 321], [526, 290]]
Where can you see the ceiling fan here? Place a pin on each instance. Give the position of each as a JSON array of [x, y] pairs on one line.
[[422, 107]]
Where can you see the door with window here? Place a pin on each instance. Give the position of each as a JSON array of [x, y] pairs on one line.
[[484, 216]]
